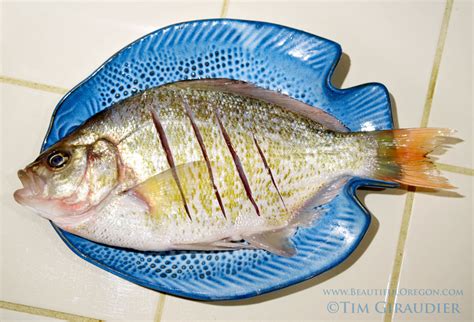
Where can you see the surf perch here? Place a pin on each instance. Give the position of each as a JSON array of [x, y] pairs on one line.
[[213, 165]]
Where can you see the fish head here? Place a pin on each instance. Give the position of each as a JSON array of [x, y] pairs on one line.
[[68, 180]]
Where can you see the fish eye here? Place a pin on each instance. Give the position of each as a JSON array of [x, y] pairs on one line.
[[58, 159]]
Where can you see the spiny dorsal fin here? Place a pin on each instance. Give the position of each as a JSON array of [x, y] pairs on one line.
[[249, 90]]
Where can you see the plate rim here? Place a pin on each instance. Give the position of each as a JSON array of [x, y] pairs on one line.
[[349, 189]]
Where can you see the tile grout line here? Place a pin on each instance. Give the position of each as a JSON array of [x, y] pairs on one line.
[[160, 307], [162, 298], [409, 201], [455, 169], [436, 63], [397, 265], [33, 85], [225, 8], [45, 312]]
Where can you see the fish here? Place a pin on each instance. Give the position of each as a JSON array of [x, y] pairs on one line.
[[214, 164]]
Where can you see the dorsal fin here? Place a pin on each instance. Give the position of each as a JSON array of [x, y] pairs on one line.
[[272, 97]]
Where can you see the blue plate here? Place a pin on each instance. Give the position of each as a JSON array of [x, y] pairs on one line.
[[272, 56]]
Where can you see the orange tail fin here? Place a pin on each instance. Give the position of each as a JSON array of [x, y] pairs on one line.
[[403, 156]]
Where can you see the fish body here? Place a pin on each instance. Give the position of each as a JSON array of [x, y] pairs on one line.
[[212, 164]]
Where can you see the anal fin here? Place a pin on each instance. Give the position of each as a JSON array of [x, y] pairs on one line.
[[275, 241], [278, 241], [311, 210]]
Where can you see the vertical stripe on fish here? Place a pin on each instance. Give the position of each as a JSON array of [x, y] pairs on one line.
[[269, 170], [169, 157], [190, 114], [237, 162]]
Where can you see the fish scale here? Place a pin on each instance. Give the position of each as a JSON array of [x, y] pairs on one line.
[[142, 152]]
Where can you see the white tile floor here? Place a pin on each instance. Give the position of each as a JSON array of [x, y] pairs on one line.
[[8, 315], [389, 42]]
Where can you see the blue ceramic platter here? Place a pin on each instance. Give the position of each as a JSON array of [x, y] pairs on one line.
[[271, 56]]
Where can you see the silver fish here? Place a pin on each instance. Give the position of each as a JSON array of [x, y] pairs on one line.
[[210, 165]]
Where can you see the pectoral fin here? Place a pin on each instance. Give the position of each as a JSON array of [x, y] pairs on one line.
[[162, 193]]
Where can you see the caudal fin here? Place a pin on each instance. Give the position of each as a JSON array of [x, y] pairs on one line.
[[403, 156]]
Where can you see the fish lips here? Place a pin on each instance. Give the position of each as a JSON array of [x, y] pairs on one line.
[[32, 187], [31, 196]]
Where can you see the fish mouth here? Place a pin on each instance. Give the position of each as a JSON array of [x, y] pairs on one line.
[[33, 196], [32, 187]]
